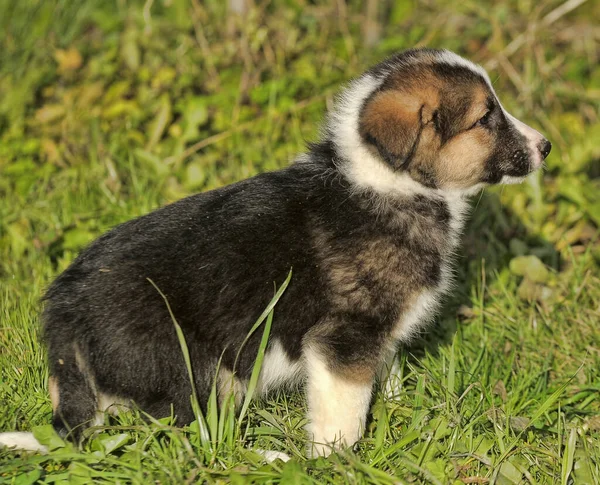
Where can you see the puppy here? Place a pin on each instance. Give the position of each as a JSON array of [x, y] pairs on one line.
[[368, 220]]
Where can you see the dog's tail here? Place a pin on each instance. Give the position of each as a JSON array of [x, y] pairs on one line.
[[71, 383], [72, 391], [73, 396], [21, 441]]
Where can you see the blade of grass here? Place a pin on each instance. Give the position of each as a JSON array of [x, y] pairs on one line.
[[451, 371], [569, 454], [262, 317], [261, 348], [203, 429], [257, 366]]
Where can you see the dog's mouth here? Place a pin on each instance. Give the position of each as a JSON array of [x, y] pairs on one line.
[[524, 162]]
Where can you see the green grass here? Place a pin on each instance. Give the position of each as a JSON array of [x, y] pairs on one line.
[[108, 110]]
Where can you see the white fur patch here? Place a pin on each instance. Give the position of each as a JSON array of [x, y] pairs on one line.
[[112, 404], [21, 441], [449, 57], [337, 408], [458, 205], [419, 314], [272, 455], [278, 370], [509, 180]]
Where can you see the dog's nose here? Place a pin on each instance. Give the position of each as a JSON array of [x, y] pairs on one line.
[[544, 147]]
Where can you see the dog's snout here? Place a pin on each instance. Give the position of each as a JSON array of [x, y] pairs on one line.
[[544, 147]]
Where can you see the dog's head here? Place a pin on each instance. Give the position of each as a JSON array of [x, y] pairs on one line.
[[434, 116]]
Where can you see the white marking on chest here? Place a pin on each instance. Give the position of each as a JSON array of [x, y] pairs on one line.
[[422, 309], [278, 369], [419, 313]]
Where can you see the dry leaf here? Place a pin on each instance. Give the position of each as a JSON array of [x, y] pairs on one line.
[[68, 59]]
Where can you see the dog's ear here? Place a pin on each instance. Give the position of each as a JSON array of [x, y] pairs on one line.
[[392, 122]]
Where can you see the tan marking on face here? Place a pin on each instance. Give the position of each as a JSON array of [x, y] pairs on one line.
[[478, 108], [53, 390], [426, 154], [461, 161]]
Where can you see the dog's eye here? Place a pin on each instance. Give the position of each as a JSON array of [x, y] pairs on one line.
[[484, 119]]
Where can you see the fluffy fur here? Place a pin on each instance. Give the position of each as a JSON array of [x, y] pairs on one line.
[[367, 219]]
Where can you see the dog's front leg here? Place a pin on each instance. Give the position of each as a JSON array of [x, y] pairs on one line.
[[338, 402]]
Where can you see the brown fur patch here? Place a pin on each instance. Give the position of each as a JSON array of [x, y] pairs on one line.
[[369, 260], [228, 384], [54, 394], [478, 106], [461, 160], [358, 373], [392, 119]]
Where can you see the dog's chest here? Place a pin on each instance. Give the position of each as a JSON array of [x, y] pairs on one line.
[[425, 301], [396, 275]]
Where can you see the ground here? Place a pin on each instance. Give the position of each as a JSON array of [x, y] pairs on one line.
[[109, 109]]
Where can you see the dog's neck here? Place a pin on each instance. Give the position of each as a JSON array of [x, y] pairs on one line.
[[364, 170]]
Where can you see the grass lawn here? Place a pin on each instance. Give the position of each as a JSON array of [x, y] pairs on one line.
[[109, 109]]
